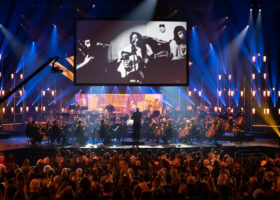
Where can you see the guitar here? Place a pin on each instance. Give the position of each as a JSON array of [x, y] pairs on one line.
[[131, 62]]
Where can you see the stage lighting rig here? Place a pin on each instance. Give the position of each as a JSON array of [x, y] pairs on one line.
[[54, 68]]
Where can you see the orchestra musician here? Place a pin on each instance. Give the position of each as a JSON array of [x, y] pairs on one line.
[[79, 132], [121, 130], [105, 131], [153, 129], [167, 132], [239, 129], [37, 130], [146, 125], [56, 132], [32, 131]]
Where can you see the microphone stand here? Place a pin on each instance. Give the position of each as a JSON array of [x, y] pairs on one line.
[[28, 79]]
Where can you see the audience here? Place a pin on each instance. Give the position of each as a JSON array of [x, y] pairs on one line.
[[138, 175]]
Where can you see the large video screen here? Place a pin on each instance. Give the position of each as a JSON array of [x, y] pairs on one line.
[[110, 52]]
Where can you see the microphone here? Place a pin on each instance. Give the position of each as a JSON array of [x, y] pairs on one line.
[[102, 44]]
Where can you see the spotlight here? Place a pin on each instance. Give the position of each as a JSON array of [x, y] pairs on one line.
[[12, 76], [279, 111], [253, 76], [43, 92], [21, 76], [190, 93], [93, 5], [251, 10], [220, 93], [3, 110], [0, 56], [62, 109], [279, 93], [253, 59], [241, 93], [12, 109], [253, 93], [264, 93], [21, 109], [53, 93], [220, 76], [229, 77], [27, 109], [268, 93], [264, 59], [44, 108], [260, 10], [36, 109], [253, 111], [199, 93], [216, 109], [264, 76]]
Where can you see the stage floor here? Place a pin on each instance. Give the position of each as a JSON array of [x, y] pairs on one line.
[[13, 143]]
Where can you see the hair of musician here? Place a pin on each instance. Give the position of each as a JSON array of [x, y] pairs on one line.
[[140, 42], [177, 29]]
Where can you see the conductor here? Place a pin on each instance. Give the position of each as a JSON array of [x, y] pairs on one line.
[[136, 116]]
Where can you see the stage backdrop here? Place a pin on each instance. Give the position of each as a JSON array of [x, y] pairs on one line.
[[121, 102]]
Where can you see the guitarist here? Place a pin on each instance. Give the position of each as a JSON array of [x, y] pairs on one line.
[[133, 59]]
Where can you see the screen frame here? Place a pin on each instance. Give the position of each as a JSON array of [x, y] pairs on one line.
[[131, 84]]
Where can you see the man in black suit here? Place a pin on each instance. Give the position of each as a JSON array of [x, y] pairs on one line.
[[136, 116]]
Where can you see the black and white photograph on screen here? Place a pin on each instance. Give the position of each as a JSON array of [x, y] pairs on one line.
[[131, 52]]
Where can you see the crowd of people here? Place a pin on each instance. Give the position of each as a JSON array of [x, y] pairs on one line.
[[141, 175], [198, 123]]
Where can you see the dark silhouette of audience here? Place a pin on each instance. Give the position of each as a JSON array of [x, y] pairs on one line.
[[137, 175]]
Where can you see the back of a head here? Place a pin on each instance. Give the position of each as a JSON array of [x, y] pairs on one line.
[[20, 195], [34, 185], [137, 192], [107, 187], [10, 191], [67, 194]]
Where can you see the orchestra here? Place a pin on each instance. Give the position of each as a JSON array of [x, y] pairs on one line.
[[194, 124]]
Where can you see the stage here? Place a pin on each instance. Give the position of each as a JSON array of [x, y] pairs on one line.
[[20, 142]]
